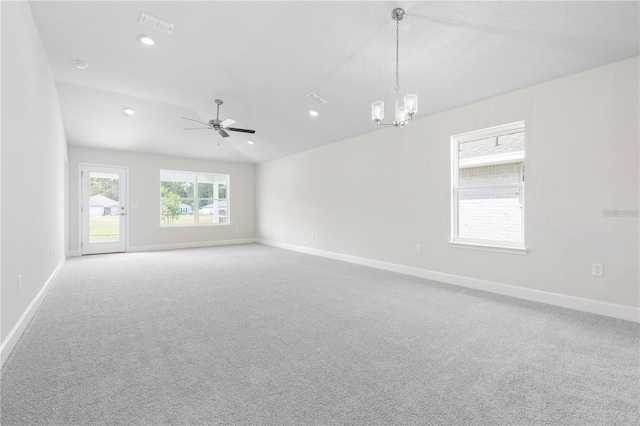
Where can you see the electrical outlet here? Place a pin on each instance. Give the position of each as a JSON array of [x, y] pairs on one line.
[[148, 233], [597, 269], [418, 248], [19, 282], [313, 235], [302, 234]]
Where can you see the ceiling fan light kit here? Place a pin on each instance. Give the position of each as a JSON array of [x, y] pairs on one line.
[[403, 114], [220, 126]]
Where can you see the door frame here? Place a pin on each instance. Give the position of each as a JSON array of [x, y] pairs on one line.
[[125, 202]]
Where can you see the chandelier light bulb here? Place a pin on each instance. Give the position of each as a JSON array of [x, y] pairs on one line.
[[377, 110], [411, 104], [401, 115]]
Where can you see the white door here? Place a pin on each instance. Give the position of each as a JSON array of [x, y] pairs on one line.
[[103, 209]]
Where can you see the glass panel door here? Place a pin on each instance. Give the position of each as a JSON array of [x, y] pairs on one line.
[[103, 209]]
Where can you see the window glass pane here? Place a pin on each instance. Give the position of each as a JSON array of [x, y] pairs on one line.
[[105, 184], [176, 189], [222, 182], [499, 174], [206, 211], [206, 219], [205, 190], [222, 190], [177, 184], [490, 214], [104, 229], [176, 211], [492, 146], [212, 186], [104, 207], [206, 178], [212, 211]]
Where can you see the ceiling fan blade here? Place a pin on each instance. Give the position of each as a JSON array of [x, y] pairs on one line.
[[201, 122], [235, 129], [223, 133], [198, 128], [227, 122]]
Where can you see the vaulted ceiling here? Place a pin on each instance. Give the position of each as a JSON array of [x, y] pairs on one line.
[[263, 58]]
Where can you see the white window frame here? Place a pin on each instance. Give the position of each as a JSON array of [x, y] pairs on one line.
[[456, 140], [196, 200]]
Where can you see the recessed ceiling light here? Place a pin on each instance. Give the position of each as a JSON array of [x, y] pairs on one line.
[[81, 65], [129, 111], [250, 142], [147, 40], [313, 113]]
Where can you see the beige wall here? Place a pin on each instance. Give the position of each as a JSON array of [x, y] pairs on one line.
[[33, 166], [144, 191], [376, 196]]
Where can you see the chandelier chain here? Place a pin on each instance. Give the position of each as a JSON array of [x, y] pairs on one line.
[[397, 56]]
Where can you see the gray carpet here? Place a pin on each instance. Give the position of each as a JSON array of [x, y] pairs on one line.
[[256, 335]]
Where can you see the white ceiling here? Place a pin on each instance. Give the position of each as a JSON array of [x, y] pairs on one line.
[[263, 58]]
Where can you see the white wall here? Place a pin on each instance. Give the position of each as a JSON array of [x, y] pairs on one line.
[[33, 167], [376, 196], [144, 191]]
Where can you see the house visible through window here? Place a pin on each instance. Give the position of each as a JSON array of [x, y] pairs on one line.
[[488, 187], [189, 199]]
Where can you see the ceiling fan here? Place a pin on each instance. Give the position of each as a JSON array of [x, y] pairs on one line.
[[220, 126]]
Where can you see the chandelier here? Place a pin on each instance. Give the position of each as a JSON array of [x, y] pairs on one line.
[[404, 113]]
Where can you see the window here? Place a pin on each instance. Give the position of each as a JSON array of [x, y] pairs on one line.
[[488, 188], [189, 199]]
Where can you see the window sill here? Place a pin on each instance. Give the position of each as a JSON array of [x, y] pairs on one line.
[[487, 247], [194, 226]]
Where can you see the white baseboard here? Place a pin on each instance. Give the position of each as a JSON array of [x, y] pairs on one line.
[[14, 335], [624, 312], [191, 245]]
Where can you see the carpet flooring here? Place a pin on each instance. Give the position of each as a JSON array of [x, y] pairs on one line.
[[256, 335]]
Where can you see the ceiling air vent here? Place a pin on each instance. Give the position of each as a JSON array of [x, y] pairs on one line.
[[313, 97], [155, 23]]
